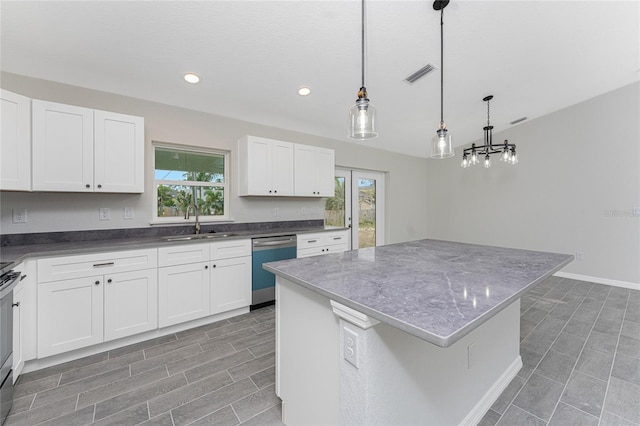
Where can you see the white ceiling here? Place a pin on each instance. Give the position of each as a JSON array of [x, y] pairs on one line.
[[535, 57]]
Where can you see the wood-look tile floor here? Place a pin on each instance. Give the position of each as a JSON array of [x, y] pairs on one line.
[[221, 373], [580, 346]]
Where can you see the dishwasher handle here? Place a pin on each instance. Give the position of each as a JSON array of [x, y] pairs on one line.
[[274, 242]]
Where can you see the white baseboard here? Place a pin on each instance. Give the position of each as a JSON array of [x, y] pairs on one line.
[[598, 280], [477, 413]]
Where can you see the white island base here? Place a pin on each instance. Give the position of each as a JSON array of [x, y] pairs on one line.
[[397, 379]]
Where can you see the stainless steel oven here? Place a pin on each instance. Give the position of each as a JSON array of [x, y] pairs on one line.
[[8, 281]]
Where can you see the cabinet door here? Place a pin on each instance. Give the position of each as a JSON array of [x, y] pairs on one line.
[[18, 330], [183, 293], [230, 284], [62, 147], [257, 167], [130, 303], [282, 168], [314, 171], [15, 142], [325, 172], [70, 315], [305, 167], [119, 152]]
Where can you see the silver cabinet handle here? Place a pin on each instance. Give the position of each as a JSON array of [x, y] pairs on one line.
[[99, 265], [337, 238], [312, 241]]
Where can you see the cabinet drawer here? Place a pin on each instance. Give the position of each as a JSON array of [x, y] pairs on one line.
[[183, 254], [322, 239], [69, 267], [231, 248]]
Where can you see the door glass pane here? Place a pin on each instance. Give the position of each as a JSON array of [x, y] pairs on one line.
[[334, 213], [367, 213]]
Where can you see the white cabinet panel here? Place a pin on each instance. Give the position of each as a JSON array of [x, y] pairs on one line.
[[18, 329], [183, 254], [66, 267], [15, 142], [119, 152], [130, 303], [70, 315], [265, 167], [322, 243], [230, 284], [183, 293], [314, 171], [229, 249], [62, 147]]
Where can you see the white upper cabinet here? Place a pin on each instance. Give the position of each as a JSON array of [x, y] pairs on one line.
[[15, 142], [62, 147], [314, 171], [265, 167], [119, 152], [269, 167], [78, 149]]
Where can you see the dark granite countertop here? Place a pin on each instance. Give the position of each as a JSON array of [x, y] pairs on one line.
[[438, 291], [18, 253]]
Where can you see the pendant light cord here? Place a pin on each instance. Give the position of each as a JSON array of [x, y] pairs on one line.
[[362, 31], [441, 66]]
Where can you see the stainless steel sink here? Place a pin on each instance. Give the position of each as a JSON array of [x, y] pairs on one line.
[[198, 237]]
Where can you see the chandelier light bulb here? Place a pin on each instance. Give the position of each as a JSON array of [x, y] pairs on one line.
[[487, 161]]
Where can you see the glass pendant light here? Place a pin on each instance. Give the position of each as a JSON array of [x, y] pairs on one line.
[[441, 143], [362, 115]]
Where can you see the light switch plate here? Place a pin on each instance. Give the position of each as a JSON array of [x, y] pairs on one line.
[[105, 213], [19, 215]]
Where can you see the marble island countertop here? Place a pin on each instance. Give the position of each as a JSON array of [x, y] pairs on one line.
[[438, 291]]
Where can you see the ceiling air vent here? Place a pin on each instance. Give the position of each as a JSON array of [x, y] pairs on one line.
[[420, 73], [519, 120]]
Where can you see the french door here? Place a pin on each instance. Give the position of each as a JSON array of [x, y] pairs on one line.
[[358, 204]]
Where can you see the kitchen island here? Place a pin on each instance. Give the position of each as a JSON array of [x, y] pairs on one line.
[[422, 332]]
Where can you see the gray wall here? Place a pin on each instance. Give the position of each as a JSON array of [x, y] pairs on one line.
[[575, 189], [48, 212]]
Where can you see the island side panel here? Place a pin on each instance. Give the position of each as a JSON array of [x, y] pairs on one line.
[[406, 380], [307, 356]]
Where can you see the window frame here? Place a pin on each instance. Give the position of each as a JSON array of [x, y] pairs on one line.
[[225, 186]]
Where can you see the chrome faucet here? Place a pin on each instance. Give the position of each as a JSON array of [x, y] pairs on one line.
[[195, 210]]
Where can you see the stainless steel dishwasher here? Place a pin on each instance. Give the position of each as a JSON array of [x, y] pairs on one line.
[[268, 249]]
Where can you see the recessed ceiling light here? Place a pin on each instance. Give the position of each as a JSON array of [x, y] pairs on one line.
[[304, 91], [191, 78]]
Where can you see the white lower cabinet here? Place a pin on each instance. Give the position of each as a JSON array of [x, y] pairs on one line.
[[130, 303], [314, 244], [183, 293], [84, 300], [18, 329], [229, 289], [70, 315], [191, 287]]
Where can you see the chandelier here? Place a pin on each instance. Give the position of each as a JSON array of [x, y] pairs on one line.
[[507, 151]]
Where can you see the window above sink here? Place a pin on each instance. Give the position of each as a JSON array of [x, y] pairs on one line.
[[185, 175]]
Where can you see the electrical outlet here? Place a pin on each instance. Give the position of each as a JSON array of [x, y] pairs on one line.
[[350, 345], [276, 212], [303, 211], [128, 213], [19, 215], [105, 213], [579, 255]]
